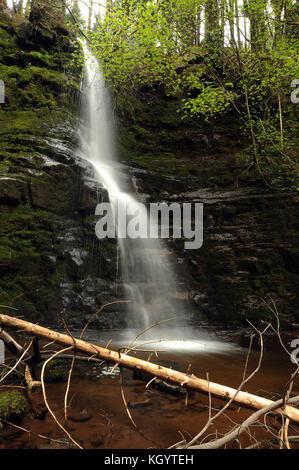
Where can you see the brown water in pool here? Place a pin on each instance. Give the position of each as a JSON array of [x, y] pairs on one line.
[[98, 417]]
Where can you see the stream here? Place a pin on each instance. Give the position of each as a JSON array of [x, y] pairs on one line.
[[98, 418]]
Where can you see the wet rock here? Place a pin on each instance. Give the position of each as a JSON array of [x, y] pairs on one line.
[[140, 402], [12, 190], [92, 193], [99, 441], [89, 199], [55, 193], [57, 370], [250, 247], [26, 38], [170, 416], [198, 298], [80, 416], [13, 405], [78, 256], [59, 150]]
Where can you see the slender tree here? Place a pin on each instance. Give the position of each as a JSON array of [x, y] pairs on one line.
[[255, 11], [230, 12], [277, 6], [237, 18], [211, 16], [90, 13], [27, 8]]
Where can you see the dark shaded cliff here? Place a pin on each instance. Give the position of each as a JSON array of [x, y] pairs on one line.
[[250, 248]]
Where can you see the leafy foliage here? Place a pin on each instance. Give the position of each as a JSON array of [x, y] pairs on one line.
[[200, 52]]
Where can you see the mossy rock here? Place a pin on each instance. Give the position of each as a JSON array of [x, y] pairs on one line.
[[13, 405], [56, 370]]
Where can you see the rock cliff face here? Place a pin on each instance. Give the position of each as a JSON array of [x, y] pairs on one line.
[[250, 249], [49, 255]]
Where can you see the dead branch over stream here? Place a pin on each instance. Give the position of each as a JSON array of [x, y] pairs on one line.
[[164, 373]]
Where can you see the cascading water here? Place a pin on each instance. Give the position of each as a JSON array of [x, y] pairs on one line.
[[145, 263], [146, 270]]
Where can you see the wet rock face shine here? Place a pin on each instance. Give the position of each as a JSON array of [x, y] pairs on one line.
[[49, 252], [249, 250]]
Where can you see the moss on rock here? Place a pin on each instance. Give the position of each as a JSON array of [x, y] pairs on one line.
[[38, 182], [56, 370], [13, 405]]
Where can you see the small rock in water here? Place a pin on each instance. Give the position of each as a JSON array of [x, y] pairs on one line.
[[169, 416], [80, 416], [98, 442], [140, 402]]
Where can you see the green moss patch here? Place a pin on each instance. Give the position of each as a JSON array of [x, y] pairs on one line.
[[56, 370], [13, 405]]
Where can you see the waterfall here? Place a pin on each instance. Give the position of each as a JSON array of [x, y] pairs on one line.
[[145, 264]]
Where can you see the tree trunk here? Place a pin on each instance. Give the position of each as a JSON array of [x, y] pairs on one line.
[[90, 11], [238, 23], [21, 8], [277, 6], [184, 380], [255, 11], [27, 9], [197, 30], [213, 34], [211, 16], [222, 19], [231, 19]]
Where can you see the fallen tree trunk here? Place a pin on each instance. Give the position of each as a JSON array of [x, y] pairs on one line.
[[11, 344], [184, 380], [33, 386]]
